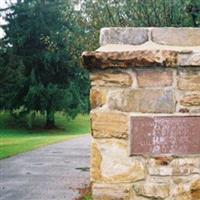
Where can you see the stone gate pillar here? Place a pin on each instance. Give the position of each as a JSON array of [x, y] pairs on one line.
[[145, 101]]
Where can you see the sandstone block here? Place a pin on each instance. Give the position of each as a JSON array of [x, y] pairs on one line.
[[109, 124], [190, 59], [166, 166], [111, 191], [156, 190], [189, 82], [134, 36], [111, 79], [176, 36], [142, 100], [188, 189], [111, 164], [150, 78], [135, 58], [196, 111], [190, 100], [98, 97]]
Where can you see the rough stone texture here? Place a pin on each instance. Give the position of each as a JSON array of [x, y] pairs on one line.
[[126, 59], [157, 190], [141, 100], [98, 97], [189, 59], [111, 163], [145, 72], [176, 36], [109, 124], [111, 79], [191, 100], [134, 36], [189, 82], [195, 111], [167, 166], [111, 191], [143, 47], [152, 78], [186, 189]]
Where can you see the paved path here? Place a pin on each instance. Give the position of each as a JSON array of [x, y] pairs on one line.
[[52, 172]]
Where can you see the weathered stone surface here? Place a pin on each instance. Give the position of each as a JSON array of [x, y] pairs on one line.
[[189, 59], [135, 197], [111, 163], [191, 100], [111, 191], [142, 100], [134, 36], [111, 79], [157, 190], [122, 100], [96, 159], [187, 190], [153, 78], [176, 36], [98, 97], [196, 111], [139, 58], [167, 166], [109, 124], [139, 71], [189, 82], [184, 110]]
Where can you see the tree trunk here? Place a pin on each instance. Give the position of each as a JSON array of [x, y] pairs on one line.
[[50, 120]]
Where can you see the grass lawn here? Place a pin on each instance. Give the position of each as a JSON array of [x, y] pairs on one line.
[[15, 139]]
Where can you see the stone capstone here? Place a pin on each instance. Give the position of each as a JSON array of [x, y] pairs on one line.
[[123, 36], [127, 59], [189, 59], [178, 36]]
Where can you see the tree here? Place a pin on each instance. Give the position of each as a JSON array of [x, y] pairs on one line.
[[42, 44], [137, 13]]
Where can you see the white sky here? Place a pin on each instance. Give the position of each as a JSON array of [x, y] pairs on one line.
[[3, 5]]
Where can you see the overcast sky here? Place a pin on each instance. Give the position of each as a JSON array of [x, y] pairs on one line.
[[3, 5]]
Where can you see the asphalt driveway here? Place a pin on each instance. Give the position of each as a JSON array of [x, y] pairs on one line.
[[53, 172]]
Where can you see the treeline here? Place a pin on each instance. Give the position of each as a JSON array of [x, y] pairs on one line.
[[40, 54]]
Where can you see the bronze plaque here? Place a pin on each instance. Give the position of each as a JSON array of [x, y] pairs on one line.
[[175, 135]]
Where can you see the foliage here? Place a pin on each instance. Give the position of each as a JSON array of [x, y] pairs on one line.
[[16, 139], [39, 56], [137, 13], [43, 48]]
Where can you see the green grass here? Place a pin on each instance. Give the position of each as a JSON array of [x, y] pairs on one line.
[[87, 197], [15, 138]]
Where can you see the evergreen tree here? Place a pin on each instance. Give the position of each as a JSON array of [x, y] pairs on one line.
[[43, 47]]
